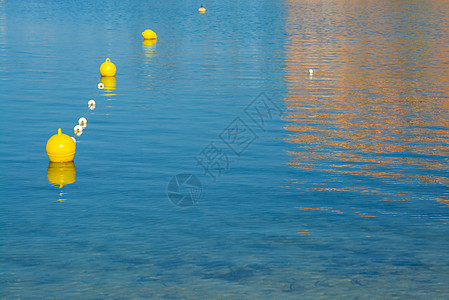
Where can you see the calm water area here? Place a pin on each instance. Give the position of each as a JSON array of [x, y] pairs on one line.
[[214, 166]]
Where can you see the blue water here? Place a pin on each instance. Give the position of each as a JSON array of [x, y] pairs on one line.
[[333, 185]]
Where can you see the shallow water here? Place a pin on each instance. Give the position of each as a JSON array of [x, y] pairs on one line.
[[332, 185]]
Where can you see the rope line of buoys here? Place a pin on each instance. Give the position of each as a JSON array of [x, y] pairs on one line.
[[62, 147]]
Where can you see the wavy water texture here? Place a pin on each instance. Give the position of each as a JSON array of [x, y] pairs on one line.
[[377, 104]]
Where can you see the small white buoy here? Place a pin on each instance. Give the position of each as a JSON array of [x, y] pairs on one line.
[[310, 71], [101, 85], [78, 130], [82, 122], [91, 104]]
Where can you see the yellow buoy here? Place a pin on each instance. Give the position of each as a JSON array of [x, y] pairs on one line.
[[61, 148], [107, 68], [201, 9], [149, 35], [61, 173]]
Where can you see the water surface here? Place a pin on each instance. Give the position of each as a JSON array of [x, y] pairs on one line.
[[337, 189]]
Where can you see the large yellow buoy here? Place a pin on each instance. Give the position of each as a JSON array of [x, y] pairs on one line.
[[201, 9], [61, 148], [107, 68], [149, 35], [61, 173]]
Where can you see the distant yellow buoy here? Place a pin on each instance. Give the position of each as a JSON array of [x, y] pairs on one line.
[[149, 35], [61, 148], [61, 173], [107, 68], [201, 9]]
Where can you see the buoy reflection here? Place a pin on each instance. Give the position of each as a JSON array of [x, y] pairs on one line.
[[149, 47], [61, 174], [109, 85]]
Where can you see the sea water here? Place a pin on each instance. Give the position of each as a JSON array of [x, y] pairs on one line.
[[215, 166]]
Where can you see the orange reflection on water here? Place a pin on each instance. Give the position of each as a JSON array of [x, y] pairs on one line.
[[377, 103]]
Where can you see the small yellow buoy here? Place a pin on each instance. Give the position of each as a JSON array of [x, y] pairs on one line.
[[61, 147], [149, 35], [107, 68], [201, 9]]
